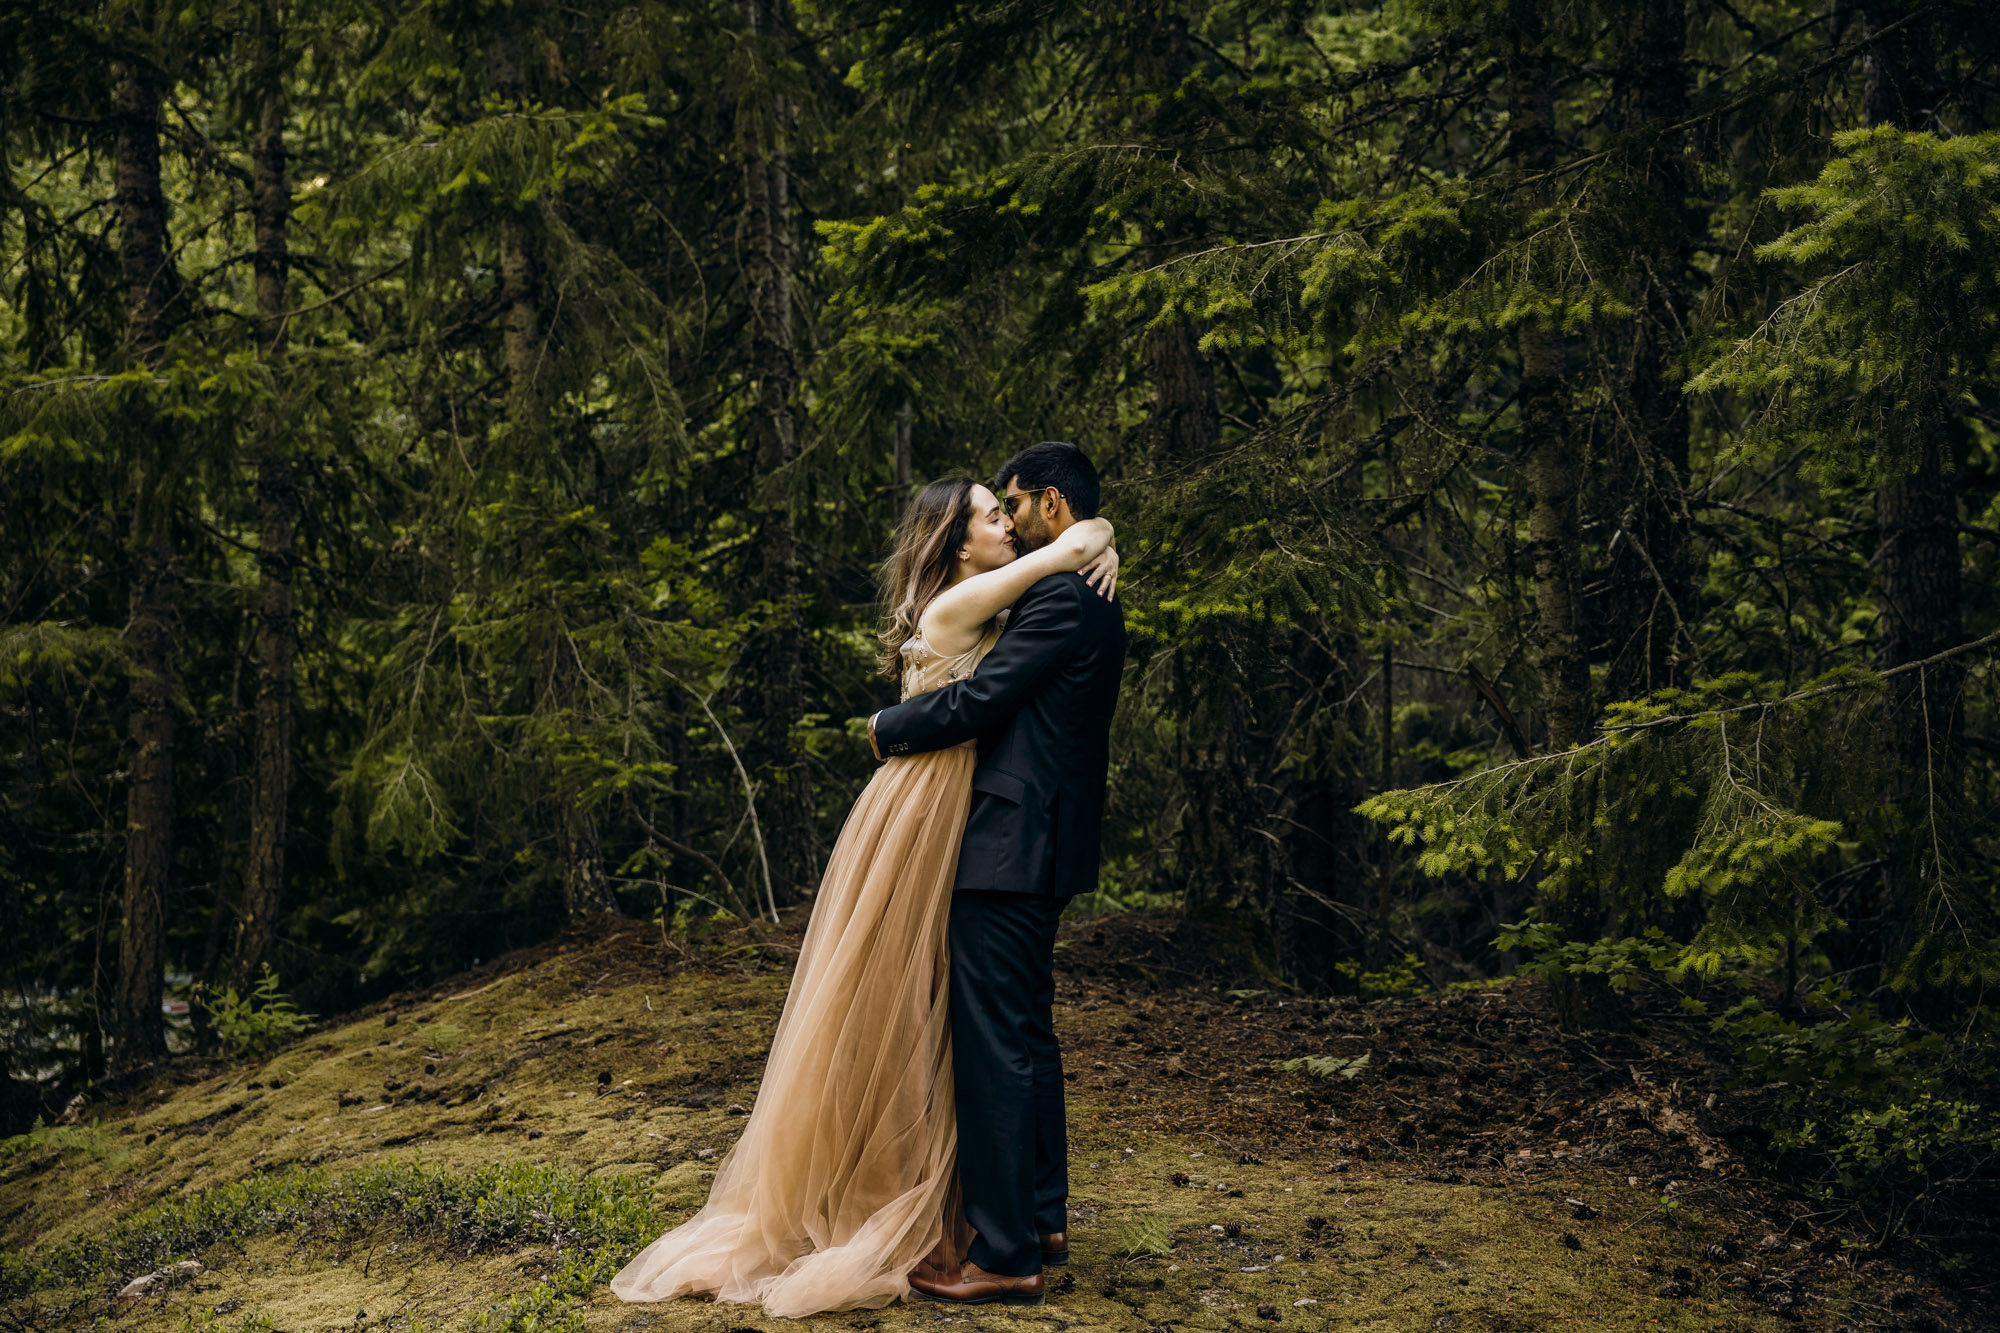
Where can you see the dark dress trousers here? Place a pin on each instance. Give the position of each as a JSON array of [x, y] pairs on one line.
[[1040, 706]]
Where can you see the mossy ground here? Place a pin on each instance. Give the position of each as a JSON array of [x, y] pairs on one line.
[[1431, 1192]]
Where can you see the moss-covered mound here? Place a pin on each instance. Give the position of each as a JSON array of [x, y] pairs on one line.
[[483, 1155]]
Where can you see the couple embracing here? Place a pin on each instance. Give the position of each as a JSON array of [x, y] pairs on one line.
[[908, 1134]]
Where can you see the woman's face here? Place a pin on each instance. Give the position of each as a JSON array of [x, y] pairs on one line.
[[989, 538]]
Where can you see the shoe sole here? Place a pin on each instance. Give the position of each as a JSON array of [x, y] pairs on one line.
[[1012, 1298], [1054, 1258]]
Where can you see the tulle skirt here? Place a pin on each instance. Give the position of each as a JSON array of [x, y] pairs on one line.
[[845, 1177]]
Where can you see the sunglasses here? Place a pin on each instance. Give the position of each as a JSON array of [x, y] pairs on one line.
[[1011, 503]]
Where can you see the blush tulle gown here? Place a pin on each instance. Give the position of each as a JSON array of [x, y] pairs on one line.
[[845, 1177]]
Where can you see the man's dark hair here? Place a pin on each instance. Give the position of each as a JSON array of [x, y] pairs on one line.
[[1053, 463]]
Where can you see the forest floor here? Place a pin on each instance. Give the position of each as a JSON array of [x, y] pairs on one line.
[[1479, 1172]]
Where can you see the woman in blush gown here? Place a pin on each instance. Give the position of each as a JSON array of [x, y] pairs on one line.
[[845, 1177]]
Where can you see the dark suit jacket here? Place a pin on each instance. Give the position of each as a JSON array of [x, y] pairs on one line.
[[1040, 706]]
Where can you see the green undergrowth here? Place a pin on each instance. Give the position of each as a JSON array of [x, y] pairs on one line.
[[59, 1140], [592, 1225], [505, 1204]]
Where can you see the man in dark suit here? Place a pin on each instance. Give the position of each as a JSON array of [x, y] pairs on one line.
[[1040, 706]]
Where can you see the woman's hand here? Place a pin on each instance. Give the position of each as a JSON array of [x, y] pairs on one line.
[[1102, 573]]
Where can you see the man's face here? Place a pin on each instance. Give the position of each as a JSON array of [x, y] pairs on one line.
[[1025, 508]]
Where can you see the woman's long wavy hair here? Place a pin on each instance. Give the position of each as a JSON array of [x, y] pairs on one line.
[[919, 568]]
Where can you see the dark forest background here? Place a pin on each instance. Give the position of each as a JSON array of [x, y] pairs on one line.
[[445, 450]]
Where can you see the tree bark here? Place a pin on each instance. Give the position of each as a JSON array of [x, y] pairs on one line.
[[1552, 534], [138, 1030], [905, 418], [778, 650], [211, 976], [1916, 513], [1651, 574], [1224, 859], [1548, 458], [141, 209], [521, 342], [1549, 463], [586, 884], [277, 523], [1186, 419], [1381, 941], [1917, 563], [1900, 84]]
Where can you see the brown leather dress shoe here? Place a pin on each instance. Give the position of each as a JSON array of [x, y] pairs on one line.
[[970, 1284], [1055, 1248]]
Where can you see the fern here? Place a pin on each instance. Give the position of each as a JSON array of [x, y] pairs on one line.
[[1324, 1066], [254, 1024], [1147, 1238]]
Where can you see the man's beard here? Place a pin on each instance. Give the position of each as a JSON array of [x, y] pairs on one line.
[[1033, 538]]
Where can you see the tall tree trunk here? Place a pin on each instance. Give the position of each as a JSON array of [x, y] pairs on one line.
[[680, 804], [1651, 572], [1577, 907], [1225, 860], [277, 521], [1900, 84], [1186, 415], [1223, 857], [210, 977], [521, 320], [905, 419], [586, 884], [1548, 459], [138, 1030], [1381, 942], [777, 691], [1917, 551], [1549, 462], [1552, 534]]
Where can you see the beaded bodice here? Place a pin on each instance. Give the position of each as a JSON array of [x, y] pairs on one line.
[[925, 669]]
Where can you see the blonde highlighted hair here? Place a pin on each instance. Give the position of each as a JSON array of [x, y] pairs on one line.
[[920, 566]]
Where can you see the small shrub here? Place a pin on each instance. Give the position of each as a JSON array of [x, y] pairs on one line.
[[63, 1138], [258, 1023], [1396, 979], [690, 926], [1623, 962], [1871, 1107]]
